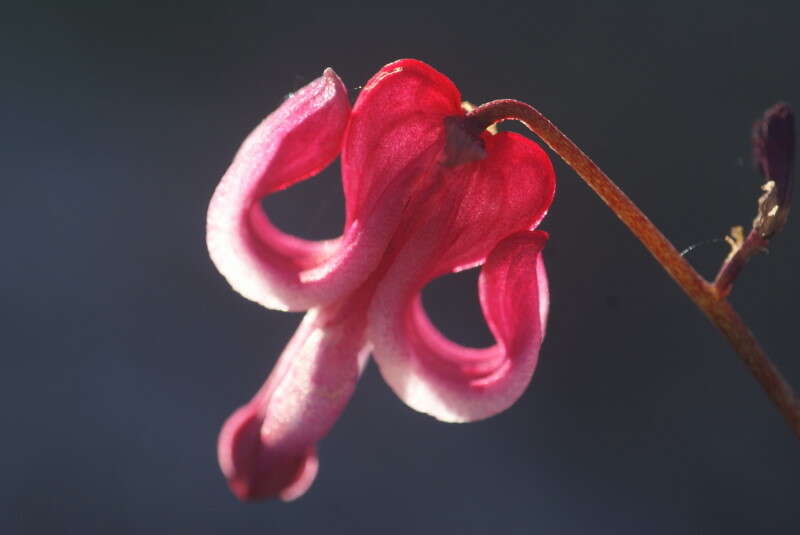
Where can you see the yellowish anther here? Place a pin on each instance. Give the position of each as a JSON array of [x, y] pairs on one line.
[[468, 106], [735, 240], [767, 188]]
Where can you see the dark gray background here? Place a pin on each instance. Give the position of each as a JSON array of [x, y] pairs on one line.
[[123, 349]]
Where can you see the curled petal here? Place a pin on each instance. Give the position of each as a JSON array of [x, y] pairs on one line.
[[267, 447], [265, 265], [454, 383]]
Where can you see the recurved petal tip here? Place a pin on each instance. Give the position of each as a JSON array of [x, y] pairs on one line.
[[253, 470], [267, 448], [453, 383]]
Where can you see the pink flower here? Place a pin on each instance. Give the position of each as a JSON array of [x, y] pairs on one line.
[[426, 193]]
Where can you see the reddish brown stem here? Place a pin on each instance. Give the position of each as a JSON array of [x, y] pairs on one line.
[[704, 295], [734, 264]]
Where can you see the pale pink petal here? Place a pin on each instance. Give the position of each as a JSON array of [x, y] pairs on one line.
[[262, 263], [267, 447], [448, 381]]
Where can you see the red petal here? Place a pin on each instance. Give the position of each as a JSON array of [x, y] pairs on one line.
[[467, 209], [405, 148], [454, 383], [396, 133], [263, 264], [267, 447]]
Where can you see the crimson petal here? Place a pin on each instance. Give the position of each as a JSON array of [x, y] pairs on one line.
[[395, 135]]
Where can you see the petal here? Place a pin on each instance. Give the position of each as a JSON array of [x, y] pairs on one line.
[[408, 132], [471, 207], [267, 447], [262, 263], [396, 133], [450, 382]]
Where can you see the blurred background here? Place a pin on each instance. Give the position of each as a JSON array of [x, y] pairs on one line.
[[124, 350]]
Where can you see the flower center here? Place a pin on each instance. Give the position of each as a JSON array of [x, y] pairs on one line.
[[463, 143]]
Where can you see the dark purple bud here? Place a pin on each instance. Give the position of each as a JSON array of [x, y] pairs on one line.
[[773, 152]]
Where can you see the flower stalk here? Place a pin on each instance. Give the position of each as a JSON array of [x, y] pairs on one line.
[[709, 298]]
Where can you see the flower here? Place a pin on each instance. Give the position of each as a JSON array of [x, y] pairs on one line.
[[426, 193]]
